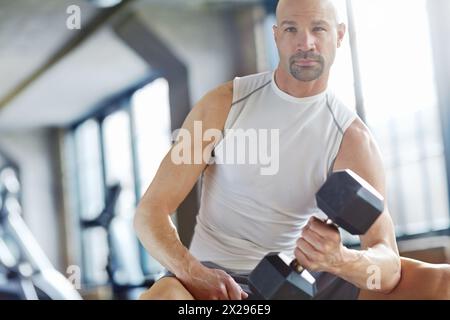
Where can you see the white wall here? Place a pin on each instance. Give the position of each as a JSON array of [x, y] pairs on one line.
[[203, 40]]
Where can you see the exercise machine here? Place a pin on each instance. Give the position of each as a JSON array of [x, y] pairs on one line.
[[25, 271]]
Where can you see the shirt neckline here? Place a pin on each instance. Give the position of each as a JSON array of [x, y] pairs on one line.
[[293, 99]]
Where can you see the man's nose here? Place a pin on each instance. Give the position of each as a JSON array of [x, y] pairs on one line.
[[305, 41]]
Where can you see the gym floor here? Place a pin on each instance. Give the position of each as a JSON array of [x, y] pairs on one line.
[[91, 92]]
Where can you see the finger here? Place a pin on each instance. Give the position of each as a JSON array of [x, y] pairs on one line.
[[312, 225], [308, 249], [321, 228], [302, 259], [314, 239], [244, 295], [233, 289], [223, 292]]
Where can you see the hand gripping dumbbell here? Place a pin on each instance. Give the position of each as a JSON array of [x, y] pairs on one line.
[[350, 203]]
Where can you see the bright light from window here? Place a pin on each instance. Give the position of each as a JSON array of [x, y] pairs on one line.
[[395, 54], [399, 91], [89, 168], [118, 159], [119, 168], [153, 130], [151, 113], [341, 75]]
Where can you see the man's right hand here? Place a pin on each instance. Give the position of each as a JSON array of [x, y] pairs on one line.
[[212, 284]]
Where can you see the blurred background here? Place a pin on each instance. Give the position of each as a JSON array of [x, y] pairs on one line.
[[87, 112]]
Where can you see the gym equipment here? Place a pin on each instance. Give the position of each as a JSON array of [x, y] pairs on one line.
[[349, 202], [25, 271], [344, 196], [131, 288], [105, 218]]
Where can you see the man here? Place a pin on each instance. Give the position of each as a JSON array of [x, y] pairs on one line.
[[245, 214]]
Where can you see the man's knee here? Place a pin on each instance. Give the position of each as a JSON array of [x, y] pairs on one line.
[[168, 288], [419, 280]]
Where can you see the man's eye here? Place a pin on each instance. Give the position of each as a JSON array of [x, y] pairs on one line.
[[319, 29], [291, 29]]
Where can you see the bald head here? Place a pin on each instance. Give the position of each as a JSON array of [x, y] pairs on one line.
[[287, 8]]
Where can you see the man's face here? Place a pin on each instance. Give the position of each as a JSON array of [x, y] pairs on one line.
[[307, 36]]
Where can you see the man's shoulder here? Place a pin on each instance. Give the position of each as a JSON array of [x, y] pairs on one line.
[[253, 81], [243, 86], [357, 134], [214, 107], [360, 153], [256, 76], [358, 144], [224, 92]]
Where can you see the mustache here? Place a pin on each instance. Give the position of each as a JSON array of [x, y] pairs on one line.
[[306, 56]]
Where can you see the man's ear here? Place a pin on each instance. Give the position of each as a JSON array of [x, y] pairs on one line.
[[275, 31], [341, 29]]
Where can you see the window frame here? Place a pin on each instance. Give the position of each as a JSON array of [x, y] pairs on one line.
[[115, 103]]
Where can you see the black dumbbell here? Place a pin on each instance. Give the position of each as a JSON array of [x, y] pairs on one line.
[[349, 202]]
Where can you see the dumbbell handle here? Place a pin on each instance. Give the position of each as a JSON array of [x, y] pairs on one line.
[[295, 264], [331, 223]]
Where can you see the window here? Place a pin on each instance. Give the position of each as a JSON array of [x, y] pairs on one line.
[[401, 105], [90, 173], [151, 115], [119, 169], [121, 144], [91, 199], [118, 159], [341, 75], [150, 108]]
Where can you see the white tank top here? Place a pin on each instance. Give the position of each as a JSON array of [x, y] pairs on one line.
[[244, 214]]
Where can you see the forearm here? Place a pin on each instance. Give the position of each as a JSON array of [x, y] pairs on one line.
[[160, 238], [377, 268]]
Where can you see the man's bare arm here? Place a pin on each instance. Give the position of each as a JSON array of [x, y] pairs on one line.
[[171, 185], [360, 153]]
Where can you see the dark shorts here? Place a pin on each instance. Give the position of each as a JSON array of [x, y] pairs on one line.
[[330, 287]]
